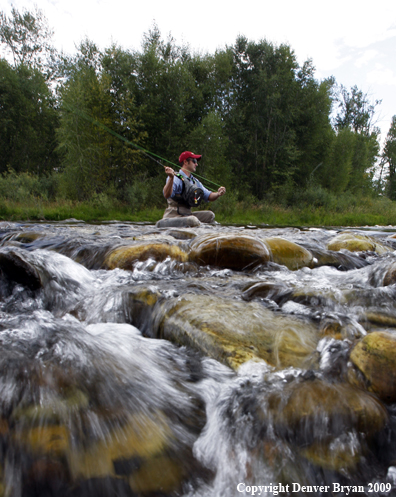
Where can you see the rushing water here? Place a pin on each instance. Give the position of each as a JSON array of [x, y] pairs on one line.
[[151, 381]]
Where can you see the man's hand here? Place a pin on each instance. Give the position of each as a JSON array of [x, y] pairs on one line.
[[215, 195], [169, 171], [169, 184]]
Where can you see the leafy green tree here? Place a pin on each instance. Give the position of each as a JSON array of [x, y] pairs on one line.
[[26, 35], [269, 117], [314, 133], [28, 120], [389, 158], [335, 171], [85, 146], [357, 113], [355, 110], [129, 164], [95, 161], [165, 95], [208, 139]]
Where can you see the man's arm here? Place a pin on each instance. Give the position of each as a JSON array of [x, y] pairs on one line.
[[215, 195], [168, 188]]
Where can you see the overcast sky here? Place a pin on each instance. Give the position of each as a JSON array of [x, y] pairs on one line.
[[353, 41]]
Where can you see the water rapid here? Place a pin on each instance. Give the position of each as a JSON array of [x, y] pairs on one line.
[[198, 362]]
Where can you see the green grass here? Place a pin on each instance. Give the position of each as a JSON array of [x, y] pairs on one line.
[[368, 212]]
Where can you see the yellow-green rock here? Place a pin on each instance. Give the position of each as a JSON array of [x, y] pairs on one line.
[[158, 473], [229, 251], [375, 357], [288, 253], [332, 456], [235, 332], [141, 438], [356, 243], [316, 416], [318, 408], [27, 237], [125, 257], [49, 440]]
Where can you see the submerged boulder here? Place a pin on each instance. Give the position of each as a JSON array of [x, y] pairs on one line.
[[355, 242], [15, 269], [125, 257], [239, 252], [288, 253], [235, 332], [324, 420], [390, 275], [374, 358]]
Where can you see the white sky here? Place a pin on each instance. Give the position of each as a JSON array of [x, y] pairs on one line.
[[354, 41]]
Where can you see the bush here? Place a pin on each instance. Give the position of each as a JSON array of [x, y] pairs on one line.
[[21, 187]]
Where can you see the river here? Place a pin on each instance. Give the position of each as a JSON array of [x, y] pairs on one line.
[[207, 361]]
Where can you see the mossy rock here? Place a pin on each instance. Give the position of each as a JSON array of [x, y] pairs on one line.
[[332, 456], [229, 251], [235, 332], [125, 257], [356, 243], [159, 473], [316, 417], [374, 356], [27, 237], [309, 411], [288, 253], [53, 410]]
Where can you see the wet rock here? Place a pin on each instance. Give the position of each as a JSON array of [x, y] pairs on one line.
[[374, 356], [288, 253], [48, 440], [178, 222], [16, 270], [337, 455], [356, 243], [340, 260], [140, 303], [380, 318], [309, 411], [182, 234], [267, 290], [325, 419], [102, 487], [390, 275], [139, 438], [229, 251], [160, 473], [331, 328], [125, 257], [235, 332], [341, 330], [27, 237]]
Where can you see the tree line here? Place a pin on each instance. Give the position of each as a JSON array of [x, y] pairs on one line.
[[267, 128]]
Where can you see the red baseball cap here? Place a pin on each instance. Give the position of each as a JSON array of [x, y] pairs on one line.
[[188, 155]]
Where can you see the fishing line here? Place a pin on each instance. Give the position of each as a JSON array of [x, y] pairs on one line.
[[145, 152]]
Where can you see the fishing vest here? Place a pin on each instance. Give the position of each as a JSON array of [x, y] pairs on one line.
[[191, 195]]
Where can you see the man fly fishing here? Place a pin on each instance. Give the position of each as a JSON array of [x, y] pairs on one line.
[[183, 191]]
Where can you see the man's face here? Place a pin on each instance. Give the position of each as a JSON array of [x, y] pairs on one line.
[[190, 165]]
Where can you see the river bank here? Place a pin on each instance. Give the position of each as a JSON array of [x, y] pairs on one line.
[[346, 212]]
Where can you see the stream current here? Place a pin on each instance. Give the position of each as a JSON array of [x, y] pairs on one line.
[[169, 377]]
